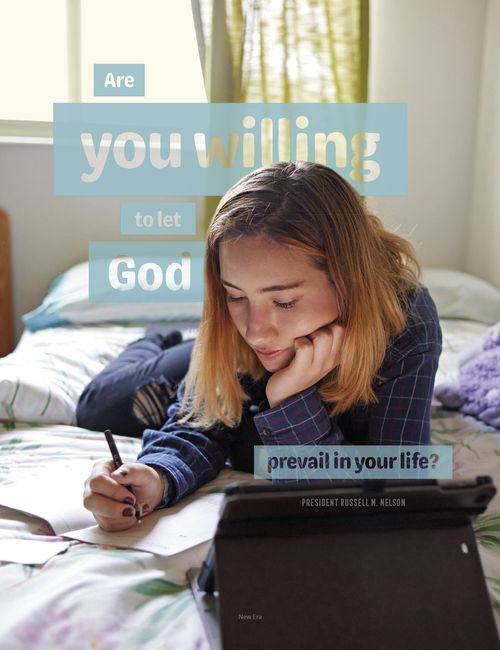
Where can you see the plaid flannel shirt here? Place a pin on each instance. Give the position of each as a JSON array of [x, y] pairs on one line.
[[190, 457]]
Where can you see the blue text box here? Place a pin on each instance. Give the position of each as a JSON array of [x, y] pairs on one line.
[[119, 79], [125, 271], [318, 462], [203, 149], [158, 218]]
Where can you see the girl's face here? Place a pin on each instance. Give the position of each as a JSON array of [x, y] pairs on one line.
[[274, 296]]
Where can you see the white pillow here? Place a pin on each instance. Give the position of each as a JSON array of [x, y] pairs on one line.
[[461, 295], [42, 380], [67, 302]]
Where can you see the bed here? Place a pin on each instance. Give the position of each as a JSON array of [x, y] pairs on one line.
[[96, 595]]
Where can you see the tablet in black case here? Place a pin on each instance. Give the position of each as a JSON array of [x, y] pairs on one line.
[[361, 565]]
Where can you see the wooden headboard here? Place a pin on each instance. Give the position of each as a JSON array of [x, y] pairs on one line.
[[6, 311]]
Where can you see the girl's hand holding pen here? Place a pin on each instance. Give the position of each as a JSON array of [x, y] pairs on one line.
[[111, 503]]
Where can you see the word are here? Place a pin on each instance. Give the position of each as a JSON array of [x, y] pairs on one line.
[[150, 276], [115, 82], [162, 220]]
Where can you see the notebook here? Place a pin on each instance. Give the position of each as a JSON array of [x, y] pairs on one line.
[[355, 566]]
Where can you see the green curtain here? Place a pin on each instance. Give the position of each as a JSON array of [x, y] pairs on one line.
[[284, 51]]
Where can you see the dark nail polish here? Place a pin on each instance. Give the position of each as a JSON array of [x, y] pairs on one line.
[[145, 508], [129, 500], [128, 512]]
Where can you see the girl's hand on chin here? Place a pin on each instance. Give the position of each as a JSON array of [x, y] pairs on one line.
[[315, 356]]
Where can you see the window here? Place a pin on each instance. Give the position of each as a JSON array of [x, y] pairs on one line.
[[33, 58], [48, 50]]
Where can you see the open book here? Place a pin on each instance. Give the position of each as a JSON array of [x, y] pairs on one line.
[[58, 499]]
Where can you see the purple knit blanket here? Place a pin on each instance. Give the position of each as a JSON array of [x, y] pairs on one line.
[[477, 391]]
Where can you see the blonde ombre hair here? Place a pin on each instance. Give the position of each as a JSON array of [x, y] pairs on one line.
[[311, 209]]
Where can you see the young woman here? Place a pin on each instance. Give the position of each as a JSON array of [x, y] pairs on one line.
[[315, 331]]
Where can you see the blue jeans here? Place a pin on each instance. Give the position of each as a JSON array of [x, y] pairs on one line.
[[134, 391]]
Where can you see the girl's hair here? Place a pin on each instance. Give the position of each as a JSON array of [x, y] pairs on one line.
[[310, 208]]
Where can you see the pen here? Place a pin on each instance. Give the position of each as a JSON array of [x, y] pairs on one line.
[[118, 463]]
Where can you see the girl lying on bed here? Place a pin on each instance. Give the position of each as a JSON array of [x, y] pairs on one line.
[[315, 330]]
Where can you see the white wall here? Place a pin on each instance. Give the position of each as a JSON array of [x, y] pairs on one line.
[[428, 53], [483, 234]]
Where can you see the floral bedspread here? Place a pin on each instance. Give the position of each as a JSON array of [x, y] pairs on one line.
[[94, 597]]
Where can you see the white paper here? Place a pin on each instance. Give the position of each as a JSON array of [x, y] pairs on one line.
[[30, 551], [56, 495], [164, 532]]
